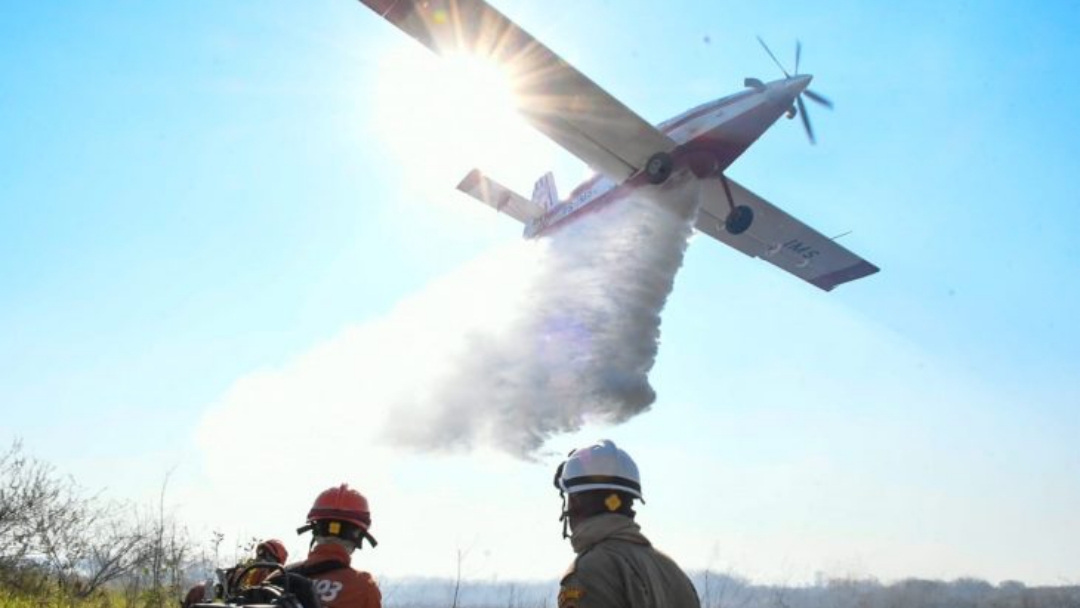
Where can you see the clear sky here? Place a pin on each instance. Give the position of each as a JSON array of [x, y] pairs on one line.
[[229, 240]]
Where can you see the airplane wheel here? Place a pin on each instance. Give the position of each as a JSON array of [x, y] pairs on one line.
[[739, 220], [659, 167]]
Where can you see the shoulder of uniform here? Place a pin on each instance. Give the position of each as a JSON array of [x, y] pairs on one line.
[[569, 572], [585, 576], [570, 588], [598, 557], [662, 554], [364, 577]]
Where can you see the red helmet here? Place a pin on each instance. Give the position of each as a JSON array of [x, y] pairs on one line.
[[274, 548], [341, 503]]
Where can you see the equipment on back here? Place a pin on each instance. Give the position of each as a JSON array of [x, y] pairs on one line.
[[340, 512], [283, 590]]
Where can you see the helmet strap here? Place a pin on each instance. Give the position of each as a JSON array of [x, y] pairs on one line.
[[371, 540], [565, 516], [343, 531]]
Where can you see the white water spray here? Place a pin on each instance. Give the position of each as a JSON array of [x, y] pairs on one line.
[[581, 344], [531, 340]]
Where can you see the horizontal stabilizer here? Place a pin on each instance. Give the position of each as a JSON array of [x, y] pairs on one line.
[[778, 238], [498, 196]]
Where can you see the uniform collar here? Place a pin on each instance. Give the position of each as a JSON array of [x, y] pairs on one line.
[[590, 532], [329, 551]]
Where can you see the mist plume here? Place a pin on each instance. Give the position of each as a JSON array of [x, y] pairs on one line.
[[580, 344]]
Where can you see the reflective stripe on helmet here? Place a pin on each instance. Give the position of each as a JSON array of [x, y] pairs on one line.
[[603, 481], [363, 519]]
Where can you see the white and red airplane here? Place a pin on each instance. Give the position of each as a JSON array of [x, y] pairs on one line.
[[628, 153]]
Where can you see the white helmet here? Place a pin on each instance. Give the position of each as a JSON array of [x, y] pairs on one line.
[[601, 466]]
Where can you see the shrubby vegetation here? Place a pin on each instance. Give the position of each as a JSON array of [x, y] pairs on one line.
[[61, 547]]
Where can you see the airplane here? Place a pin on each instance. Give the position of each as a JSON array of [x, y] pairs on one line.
[[629, 154]]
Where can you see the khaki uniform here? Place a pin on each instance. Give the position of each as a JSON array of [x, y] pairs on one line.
[[617, 567]]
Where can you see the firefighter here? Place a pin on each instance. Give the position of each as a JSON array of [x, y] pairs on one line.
[[339, 522], [616, 566], [240, 576], [271, 551]]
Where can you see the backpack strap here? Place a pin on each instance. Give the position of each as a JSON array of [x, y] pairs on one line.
[[316, 569]]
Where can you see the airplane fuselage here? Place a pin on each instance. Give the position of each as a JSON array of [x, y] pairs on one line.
[[709, 138]]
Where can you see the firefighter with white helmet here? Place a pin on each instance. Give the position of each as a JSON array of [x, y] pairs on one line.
[[616, 566], [339, 522]]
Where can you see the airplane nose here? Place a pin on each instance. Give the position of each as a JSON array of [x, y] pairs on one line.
[[797, 84]]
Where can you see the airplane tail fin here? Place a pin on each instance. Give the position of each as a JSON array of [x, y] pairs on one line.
[[544, 192]]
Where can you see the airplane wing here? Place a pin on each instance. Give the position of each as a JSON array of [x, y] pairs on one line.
[[779, 238], [498, 196], [552, 95]]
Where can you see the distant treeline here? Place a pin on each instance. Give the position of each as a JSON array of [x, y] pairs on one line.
[[725, 590], [728, 591], [62, 546]]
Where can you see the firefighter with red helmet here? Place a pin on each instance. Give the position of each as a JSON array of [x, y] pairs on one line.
[[270, 551], [339, 522], [241, 576], [616, 566]]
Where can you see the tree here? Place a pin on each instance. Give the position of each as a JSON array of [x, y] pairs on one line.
[[52, 532], [28, 489]]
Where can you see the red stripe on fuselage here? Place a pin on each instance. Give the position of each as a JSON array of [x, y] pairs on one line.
[[586, 207], [672, 124], [721, 145]]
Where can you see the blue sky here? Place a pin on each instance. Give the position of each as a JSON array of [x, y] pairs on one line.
[[200, 203]]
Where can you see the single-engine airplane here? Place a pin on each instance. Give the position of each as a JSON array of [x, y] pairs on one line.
[[627, 152]]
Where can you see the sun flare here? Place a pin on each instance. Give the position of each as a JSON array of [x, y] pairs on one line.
[[441, 117]]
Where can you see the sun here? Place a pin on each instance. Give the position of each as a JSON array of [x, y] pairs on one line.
[[440, 117]]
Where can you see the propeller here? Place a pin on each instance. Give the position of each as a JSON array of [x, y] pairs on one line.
[[800, 107], [775, 60]]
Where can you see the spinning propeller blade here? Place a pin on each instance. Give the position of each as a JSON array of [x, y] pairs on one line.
[[818, 98], [805, 119], [800, 107], [775, 60]]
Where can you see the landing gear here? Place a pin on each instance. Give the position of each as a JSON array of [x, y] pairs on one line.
[[739, 219], [659, 167]]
